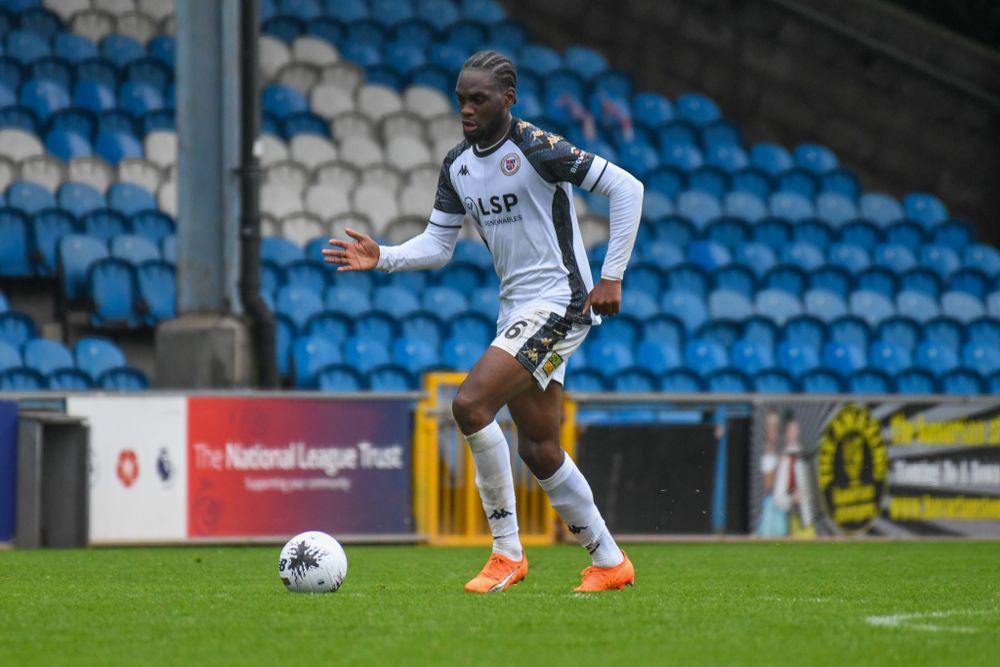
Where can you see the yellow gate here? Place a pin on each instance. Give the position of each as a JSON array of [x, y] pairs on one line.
[[446, 502]]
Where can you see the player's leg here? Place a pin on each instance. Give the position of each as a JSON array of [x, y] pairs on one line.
[[537, 413], [489, 385]]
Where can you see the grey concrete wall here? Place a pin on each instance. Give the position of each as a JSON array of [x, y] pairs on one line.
[[789, 76]]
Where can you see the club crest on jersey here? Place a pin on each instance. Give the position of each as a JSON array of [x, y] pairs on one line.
[[509, 164]]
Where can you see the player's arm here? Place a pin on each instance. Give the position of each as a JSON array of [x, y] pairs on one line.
[[428, 250], [625, 210]]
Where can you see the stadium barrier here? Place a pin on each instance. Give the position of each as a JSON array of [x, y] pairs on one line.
[[447, 507]]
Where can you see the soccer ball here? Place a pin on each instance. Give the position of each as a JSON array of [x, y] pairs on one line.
[[312, 562]]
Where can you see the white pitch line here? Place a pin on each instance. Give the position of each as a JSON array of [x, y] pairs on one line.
[[912, 621]]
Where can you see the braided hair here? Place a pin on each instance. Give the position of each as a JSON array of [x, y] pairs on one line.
[[497, 64]]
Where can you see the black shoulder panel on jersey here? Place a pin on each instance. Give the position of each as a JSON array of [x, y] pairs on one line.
[[555, 159], [446, 199]]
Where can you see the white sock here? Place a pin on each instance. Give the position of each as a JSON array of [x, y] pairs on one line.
[[495, 482], [572, 498]]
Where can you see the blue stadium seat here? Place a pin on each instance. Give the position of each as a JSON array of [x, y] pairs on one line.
[[871, 306], [835, 208], [680, 381], [16, 328], [76, 254], [656, 205], [539, 59], [111, 286], [750, 356], [427, 327], [461, 355], [862, 233], [635, 380], [279, 250], [98, 70], [330, 325], [728, 381], [841, 181], [771, 158], [894, 257], [134, 249], [804, 255], [584, 61], [651, 110], [68, 379], [15, 258], [703, 356], [308, 273], [852, 258], [19, 118], [687, 277], [689, 307], [299, 304], [745, 205], [585, 380], [25, 46], [962, 382], [738, 278], [72, 47], [757, 256], [962, 306], [697, 109], [157, 291], [954, 234], [814, 232], [391, 377], [710, 180], [936, 358], [721, 133], [79, 199], [698, 207], [790, 206], [149, 71], [925, 209], [941, 259], [944, 331], [416, 355], [786, 278], [682, 156], [905, 232], [152, 224], [376, 326], [123, 379], [915, 381], [982, 257], [721, 331], [878, 279], [309, 355], [461, 276], [970, 281], [67, 144], [880, 208], [773, 381], [284, 335], [889, 357], [778, 305], [347, 300], [302, 9], [869, 381], [443, 301], [797, 359], [664, 254], [29, 197], [798, 181], [665, 180], [22, 379], [52, 69], [752, 180], [639, 304], [666, 327], [120, 49], [94, 96], [623, 328], [129, 198], [115, 146], [95, 356], [609, 356], [815, 157], [708, 255], [981, 357], [843, 358], [985, 331], [46, 228], [339, 377], [104, 224], [921, 280], [163, 49], [139, 98], [46, 356], [469, 250], [727, 231], [727, 303], [899, 331], [645, 277], [824, 304], [851, 330], [805, 330], [762, 330], [657, 356], [821, 381]]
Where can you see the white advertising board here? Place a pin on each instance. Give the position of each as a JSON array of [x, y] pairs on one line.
[[138, 467]]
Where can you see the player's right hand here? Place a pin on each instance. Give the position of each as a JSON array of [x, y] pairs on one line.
[[361, 255]]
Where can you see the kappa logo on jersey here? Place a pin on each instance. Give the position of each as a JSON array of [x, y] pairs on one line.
[[509, 164], [464, 171]]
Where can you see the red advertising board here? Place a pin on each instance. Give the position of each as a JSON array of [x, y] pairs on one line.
[[271, 467]]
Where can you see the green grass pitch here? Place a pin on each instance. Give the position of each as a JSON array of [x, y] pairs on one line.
[[847, 603]]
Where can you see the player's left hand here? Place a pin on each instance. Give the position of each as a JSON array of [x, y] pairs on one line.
[[605, 298]]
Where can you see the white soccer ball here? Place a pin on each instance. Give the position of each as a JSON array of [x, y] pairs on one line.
[[312, 562]]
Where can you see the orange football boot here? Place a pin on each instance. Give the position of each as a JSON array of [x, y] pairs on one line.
[[607, 578], [499, 574]]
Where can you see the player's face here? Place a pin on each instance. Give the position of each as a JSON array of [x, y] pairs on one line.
[[483, 105]]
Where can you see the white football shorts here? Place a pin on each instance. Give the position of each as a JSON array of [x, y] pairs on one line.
[[542, 340]]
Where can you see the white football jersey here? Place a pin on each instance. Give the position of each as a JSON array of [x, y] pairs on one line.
[[520, 196]]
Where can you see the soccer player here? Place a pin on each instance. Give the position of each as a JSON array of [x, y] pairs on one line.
[[515, 181]]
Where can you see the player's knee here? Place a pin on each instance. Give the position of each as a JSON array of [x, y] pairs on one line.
[[470, 415]]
